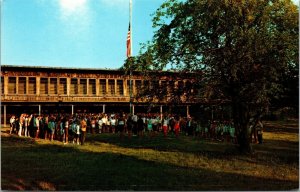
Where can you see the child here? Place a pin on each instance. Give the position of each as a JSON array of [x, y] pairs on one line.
[[165, 124]]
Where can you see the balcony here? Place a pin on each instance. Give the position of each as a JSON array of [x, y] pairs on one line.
[[62, 98]]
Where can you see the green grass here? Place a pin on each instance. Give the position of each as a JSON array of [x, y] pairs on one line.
[[108, 163]]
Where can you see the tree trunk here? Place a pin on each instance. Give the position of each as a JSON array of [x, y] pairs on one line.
[[241, 119]]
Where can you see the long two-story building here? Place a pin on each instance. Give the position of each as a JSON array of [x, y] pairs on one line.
[[28, 89]]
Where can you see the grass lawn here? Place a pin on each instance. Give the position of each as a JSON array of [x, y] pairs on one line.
[[186, 163]]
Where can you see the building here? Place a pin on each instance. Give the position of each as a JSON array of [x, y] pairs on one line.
[[27, 89]]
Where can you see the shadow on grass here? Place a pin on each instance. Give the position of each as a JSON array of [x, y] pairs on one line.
[[285, 126], [27, 165], [283, 151]]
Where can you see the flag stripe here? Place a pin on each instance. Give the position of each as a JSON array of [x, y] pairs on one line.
[[128, 42]]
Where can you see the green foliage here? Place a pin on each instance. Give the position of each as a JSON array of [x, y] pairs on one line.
[[244, 49]]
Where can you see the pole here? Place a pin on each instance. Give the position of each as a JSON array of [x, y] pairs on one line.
[[130, 75], [4, 110], [40, 109]]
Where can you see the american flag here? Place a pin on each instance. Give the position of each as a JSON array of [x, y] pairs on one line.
[[128, 42]]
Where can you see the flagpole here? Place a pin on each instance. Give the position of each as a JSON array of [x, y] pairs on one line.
[[130, 75]]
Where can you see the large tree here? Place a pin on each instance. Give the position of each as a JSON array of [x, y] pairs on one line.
[[243, 48]]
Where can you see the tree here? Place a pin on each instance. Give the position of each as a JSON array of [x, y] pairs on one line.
[[243, 48]]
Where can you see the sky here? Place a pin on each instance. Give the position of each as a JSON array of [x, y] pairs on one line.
[[73, 33]]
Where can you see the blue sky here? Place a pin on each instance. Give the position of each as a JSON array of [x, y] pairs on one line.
[[73, 33]]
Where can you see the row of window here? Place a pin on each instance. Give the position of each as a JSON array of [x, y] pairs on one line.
[[53, 86]]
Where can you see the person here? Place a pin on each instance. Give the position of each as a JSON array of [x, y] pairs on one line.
[[165, 124], [83, 126], [232, 133], [134, 122], [46, 129], [198, 128], [176, 126], [113, 123], [21, 124], [140, 126], [77, 132], [121, 125], [259, 129], [189, 129], [66, 130], [149, 126], [12, 122], [26, 124], [104, 123], [129, 125], [41, 126], [93, 125], [171, 124], [51, 128], [154, 125], [30, 126], [100, 124], [36, 125]]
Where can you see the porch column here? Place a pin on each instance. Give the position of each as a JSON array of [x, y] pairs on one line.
[[27, 85], [38, 85], [40, 109], [187, 110], [115, 87], [5, 85], [97, 87], [17, 85], [4, 115], [106, 87], [103, 110], [68, 86], [72, 107], [125, 87], [161, 112], [132, 109]]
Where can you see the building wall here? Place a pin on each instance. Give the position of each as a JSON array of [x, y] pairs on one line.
[[42, 88]]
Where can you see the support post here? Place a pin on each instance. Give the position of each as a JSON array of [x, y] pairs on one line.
[[132, 109], [4, 114], [161, 112], [187, 111], [103, 110], [40, 109], [72, 109]]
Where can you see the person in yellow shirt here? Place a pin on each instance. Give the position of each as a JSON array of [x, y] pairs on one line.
[[83, 126]]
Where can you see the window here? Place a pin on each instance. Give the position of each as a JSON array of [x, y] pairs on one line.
[[102, 87], [180, 85], [22, 85], [74, 87], [120, 90], [2, 85], [138, 86], [83, 86], [53, 86], [128, 87], [12, 85], [63, 86], [154, 85], [44, 86], [92, 86], [111, 86], [146, 85], [32, 85]]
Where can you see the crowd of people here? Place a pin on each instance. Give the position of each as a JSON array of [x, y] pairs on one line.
[[73, 128]]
